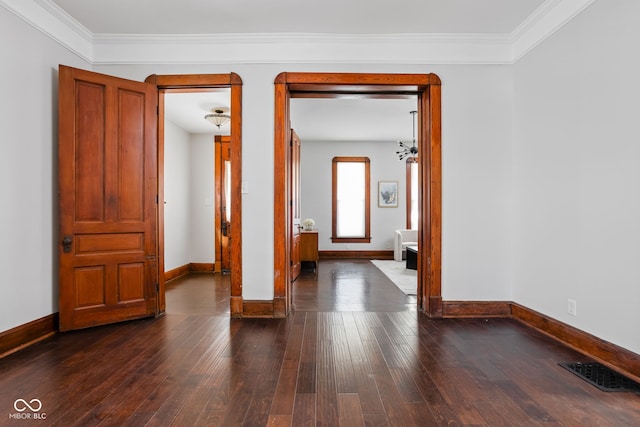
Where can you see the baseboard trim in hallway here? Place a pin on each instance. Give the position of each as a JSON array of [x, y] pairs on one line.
[[24, 335]]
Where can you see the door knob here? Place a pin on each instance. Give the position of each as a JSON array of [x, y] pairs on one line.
[[66, 244]]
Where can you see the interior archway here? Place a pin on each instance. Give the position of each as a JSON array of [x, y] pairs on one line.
[[427, 87]]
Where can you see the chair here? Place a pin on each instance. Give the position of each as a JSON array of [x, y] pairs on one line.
[[403, 238]]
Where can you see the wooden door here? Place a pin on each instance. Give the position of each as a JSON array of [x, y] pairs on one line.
[[107, 160], [223, 203], [294, 188]]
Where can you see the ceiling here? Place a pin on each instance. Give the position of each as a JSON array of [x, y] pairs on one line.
[[370, 120], [296, 16], [187, 110], [313, 119]]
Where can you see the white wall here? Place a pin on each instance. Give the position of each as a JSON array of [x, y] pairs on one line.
[[201, 180], [476, 182], [28, 171], [189, 198], [177, 197], [577, 179], [316, 166]]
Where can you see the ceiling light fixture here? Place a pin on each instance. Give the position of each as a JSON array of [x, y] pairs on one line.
[[218, 118], [405, 149]]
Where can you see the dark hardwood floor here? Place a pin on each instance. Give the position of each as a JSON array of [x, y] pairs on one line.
[[348, 285], [344, 358]]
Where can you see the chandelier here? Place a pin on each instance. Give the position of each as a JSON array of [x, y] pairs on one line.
[[218, 118], [407, 150]]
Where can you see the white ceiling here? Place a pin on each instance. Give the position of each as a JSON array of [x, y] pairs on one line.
[[369, 120], [313, 119], [187, 110], [300, 16]]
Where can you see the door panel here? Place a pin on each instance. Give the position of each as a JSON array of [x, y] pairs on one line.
[[226, 212], [294, 188], [107, 185], [223, 216]]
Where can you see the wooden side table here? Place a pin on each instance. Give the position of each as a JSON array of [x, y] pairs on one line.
[[309, 248]]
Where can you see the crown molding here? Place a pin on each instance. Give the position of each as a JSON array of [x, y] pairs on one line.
[[302, 48], [47, 17], [546, 20]]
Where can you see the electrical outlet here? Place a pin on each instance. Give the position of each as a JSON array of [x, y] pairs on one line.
[[571, 307]]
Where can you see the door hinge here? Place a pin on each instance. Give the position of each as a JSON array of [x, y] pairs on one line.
[[156, 199], [157, 288]]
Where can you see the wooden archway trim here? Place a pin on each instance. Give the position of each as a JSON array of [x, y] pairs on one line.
[[202, 82], [427, 87]]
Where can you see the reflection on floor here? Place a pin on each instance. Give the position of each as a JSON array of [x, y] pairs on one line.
[[348, 285], [337, 285], [199, 293]]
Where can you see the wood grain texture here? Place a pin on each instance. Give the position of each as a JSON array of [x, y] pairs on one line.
[[193, 267], [221, 241], [376, 254], [236, 186], [174, 273], [24, 335], [257, 308], [108, 183], [201, 267], [457, 309], [281, 255], [392, 367]]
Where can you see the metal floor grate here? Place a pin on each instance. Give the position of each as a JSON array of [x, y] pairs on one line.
[[601, 376]]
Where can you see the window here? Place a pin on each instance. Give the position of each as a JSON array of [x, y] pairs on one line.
[[351, 200], [412, 193]]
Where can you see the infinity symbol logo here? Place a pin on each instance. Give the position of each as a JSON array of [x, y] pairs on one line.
[[21, 405]]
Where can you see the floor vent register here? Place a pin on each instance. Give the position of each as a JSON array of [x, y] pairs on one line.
[[602, 376]]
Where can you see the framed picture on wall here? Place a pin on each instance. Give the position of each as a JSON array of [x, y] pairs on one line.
[[387, 194]]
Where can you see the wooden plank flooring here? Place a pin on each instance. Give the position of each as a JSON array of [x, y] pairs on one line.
[[339, 367]]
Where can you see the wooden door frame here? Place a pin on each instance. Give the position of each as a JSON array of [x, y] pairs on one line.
[[427, 87], [202, 82], [294, 195], [219, 141]]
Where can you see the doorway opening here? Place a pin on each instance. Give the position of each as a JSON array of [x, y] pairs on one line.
[[197, 193], [352, 136], [203, 83], [426, 87]]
